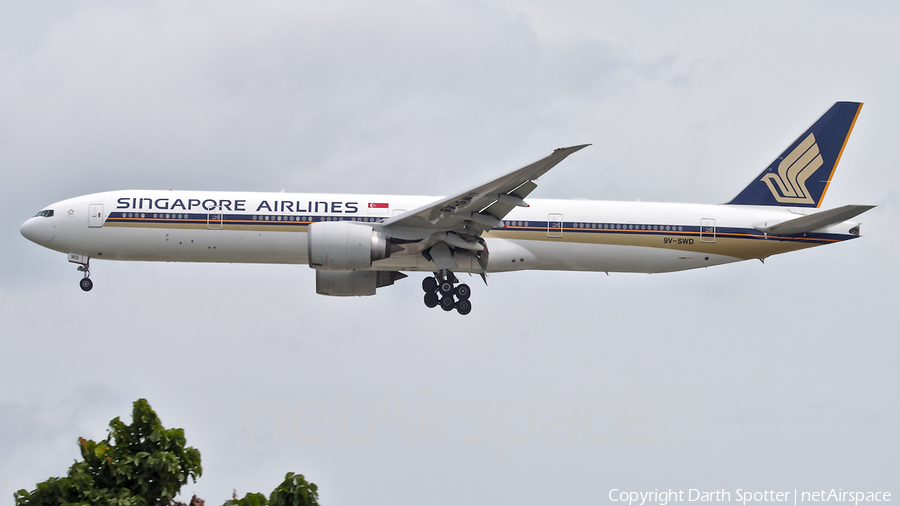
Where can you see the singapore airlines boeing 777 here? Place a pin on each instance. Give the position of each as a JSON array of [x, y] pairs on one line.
[[358, 243]]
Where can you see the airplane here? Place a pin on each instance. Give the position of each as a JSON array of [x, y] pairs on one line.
[[359, 243]]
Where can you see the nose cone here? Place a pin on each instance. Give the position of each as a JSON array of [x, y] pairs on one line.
[[38, 230], [28, 230]]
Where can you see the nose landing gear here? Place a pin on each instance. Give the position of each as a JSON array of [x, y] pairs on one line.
[[442, 290], [84, 266]]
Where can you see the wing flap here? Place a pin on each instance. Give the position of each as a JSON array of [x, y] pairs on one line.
[[506, 202], [524, 189]]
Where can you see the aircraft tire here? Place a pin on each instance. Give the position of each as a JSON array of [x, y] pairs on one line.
[[464, 307], [463, 292], [86, 284], [429, 284], [431, 299], [446, 287], [447, 303]]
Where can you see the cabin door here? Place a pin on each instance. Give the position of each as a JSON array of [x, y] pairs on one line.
[[707, 230], [95, 215], [554, 225], [214, 218]]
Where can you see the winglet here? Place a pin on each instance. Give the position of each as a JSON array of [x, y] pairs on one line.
[[801, 175]]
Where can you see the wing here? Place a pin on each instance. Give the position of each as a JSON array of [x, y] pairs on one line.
[[478, 209]]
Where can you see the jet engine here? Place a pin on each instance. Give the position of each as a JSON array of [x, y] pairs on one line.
[[354, 283], [346, 245]]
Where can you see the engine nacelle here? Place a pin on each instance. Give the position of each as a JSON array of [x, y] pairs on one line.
[[354, 283], [345, 245]]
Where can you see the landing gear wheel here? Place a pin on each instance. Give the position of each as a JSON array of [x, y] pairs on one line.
[[444, 289], [86, 284], [447, 303]]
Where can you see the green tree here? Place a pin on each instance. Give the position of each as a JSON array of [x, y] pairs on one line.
[[249, 500], [142, 464], [293, 491]]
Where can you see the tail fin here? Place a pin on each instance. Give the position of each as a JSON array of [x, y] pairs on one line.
[[801, 175]]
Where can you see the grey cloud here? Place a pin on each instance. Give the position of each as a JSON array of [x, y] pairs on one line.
[[775, 375]]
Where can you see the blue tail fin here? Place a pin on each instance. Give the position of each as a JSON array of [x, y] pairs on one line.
[[801, 175]]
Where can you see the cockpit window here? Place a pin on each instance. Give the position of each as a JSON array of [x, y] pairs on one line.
[[46, 213]]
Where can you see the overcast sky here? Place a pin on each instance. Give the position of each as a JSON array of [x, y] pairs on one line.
[[559, 386]]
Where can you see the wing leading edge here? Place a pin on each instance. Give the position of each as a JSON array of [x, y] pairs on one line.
[[480, 208]]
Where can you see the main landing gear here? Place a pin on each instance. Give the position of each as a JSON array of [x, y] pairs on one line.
[[440, 291]]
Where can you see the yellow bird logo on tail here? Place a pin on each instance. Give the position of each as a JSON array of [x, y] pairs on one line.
[[788, 186]]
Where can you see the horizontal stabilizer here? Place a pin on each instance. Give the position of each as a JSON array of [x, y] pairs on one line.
[[815, 221]]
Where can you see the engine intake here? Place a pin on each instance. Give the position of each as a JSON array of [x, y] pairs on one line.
[[346, 245]]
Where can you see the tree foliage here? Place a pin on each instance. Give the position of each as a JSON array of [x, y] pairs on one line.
[[145, 464], [249, 500], [142, 464], [293, 491]]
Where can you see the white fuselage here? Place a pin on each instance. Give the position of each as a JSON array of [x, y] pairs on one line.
[[581, 235]]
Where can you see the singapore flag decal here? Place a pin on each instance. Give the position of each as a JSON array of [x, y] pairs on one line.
[[378, 207]]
